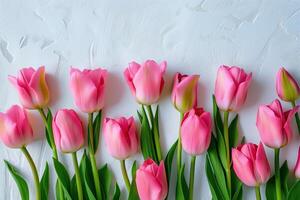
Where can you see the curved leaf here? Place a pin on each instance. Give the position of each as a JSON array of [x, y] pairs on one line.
[[45, 183]]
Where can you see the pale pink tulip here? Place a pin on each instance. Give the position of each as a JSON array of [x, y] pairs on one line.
[[15, 129], [196, 131], [231, 87], [184, 93], [297, 166], [250, 164], [146, 80], [274, 125], [151, 181], [68, 131], [286, 86], [32, 87], [121, 137], [88, 87]]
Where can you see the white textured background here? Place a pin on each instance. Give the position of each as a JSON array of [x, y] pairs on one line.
[[193, 36]]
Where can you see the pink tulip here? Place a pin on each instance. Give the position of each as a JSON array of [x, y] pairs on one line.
[[286, 86], [196, 131], [88, 87], [15, 129], [121, 137], [231, 87], [146, 81], [68, 131], [32, 87], [297, 166], [151, 181], [250, 164], [184, 94], [274, 125]]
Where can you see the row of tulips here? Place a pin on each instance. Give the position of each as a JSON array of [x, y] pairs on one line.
[[230, 163]]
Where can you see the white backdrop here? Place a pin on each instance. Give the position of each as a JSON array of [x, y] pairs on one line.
[[193, 36]]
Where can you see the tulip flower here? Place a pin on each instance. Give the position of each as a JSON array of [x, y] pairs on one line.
[[68, 131], [231, 87], [88, 87], [151, 181], [184, 93], [32, 87], [297, 166], [274, 125], [146, 80]]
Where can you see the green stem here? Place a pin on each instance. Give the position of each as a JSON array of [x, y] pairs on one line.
[[257, 193], [296, 117], [155, 133], [77, 174], [125, 175], [92, 157], [277, 174], [192, 175], [179, 146], [34, 172], [226, 135]]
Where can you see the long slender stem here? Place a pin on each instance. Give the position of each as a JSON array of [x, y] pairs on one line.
[[296, 117], [125, 175], [192, 175], [92, 157], [77, 174], [155, 133], [34, 172], [179, 146], [277, 174], [257, 193], [226, 135]]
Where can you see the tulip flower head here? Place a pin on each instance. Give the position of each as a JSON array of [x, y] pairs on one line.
[[231, 87], [146, 80], [250, 164], [32, 87], [15, 129]]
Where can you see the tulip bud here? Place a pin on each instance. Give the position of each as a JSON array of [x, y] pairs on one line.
[[231, 87], [274, 125], [297, 166], [196, 131], [32, 87], [250, 164], [15, 129], [146, 80], [121, 137], [286, 86], [68, 131], [184, 93], [88, 87], [151, 181]]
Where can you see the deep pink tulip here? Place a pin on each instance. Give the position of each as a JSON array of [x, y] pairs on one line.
[[274, 125], [15, 129], [184, 93], [151, 181], [121, 137], [297, 166], [146, 80], [231, 87], [32, 87], [88, 88], [250, 164], [286, 86], [68, 131], [196, 131]]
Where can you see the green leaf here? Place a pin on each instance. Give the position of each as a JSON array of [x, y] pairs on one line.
[[233, 132], [44, 183], [217, 116], [57, 191], [169, 159], [294, 193], [237, 187], [96, 129], [182, 190], [21, 183], [105, 177], [117, 192], [63, 177], [133, 170], [87, 177], [49, 124], [74, 193], [222, 149], [133, 194], [156, 122], [140, 116]]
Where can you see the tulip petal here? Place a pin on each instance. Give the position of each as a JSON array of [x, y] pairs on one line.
[[262, 167], [289, 115], [241, 94]]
